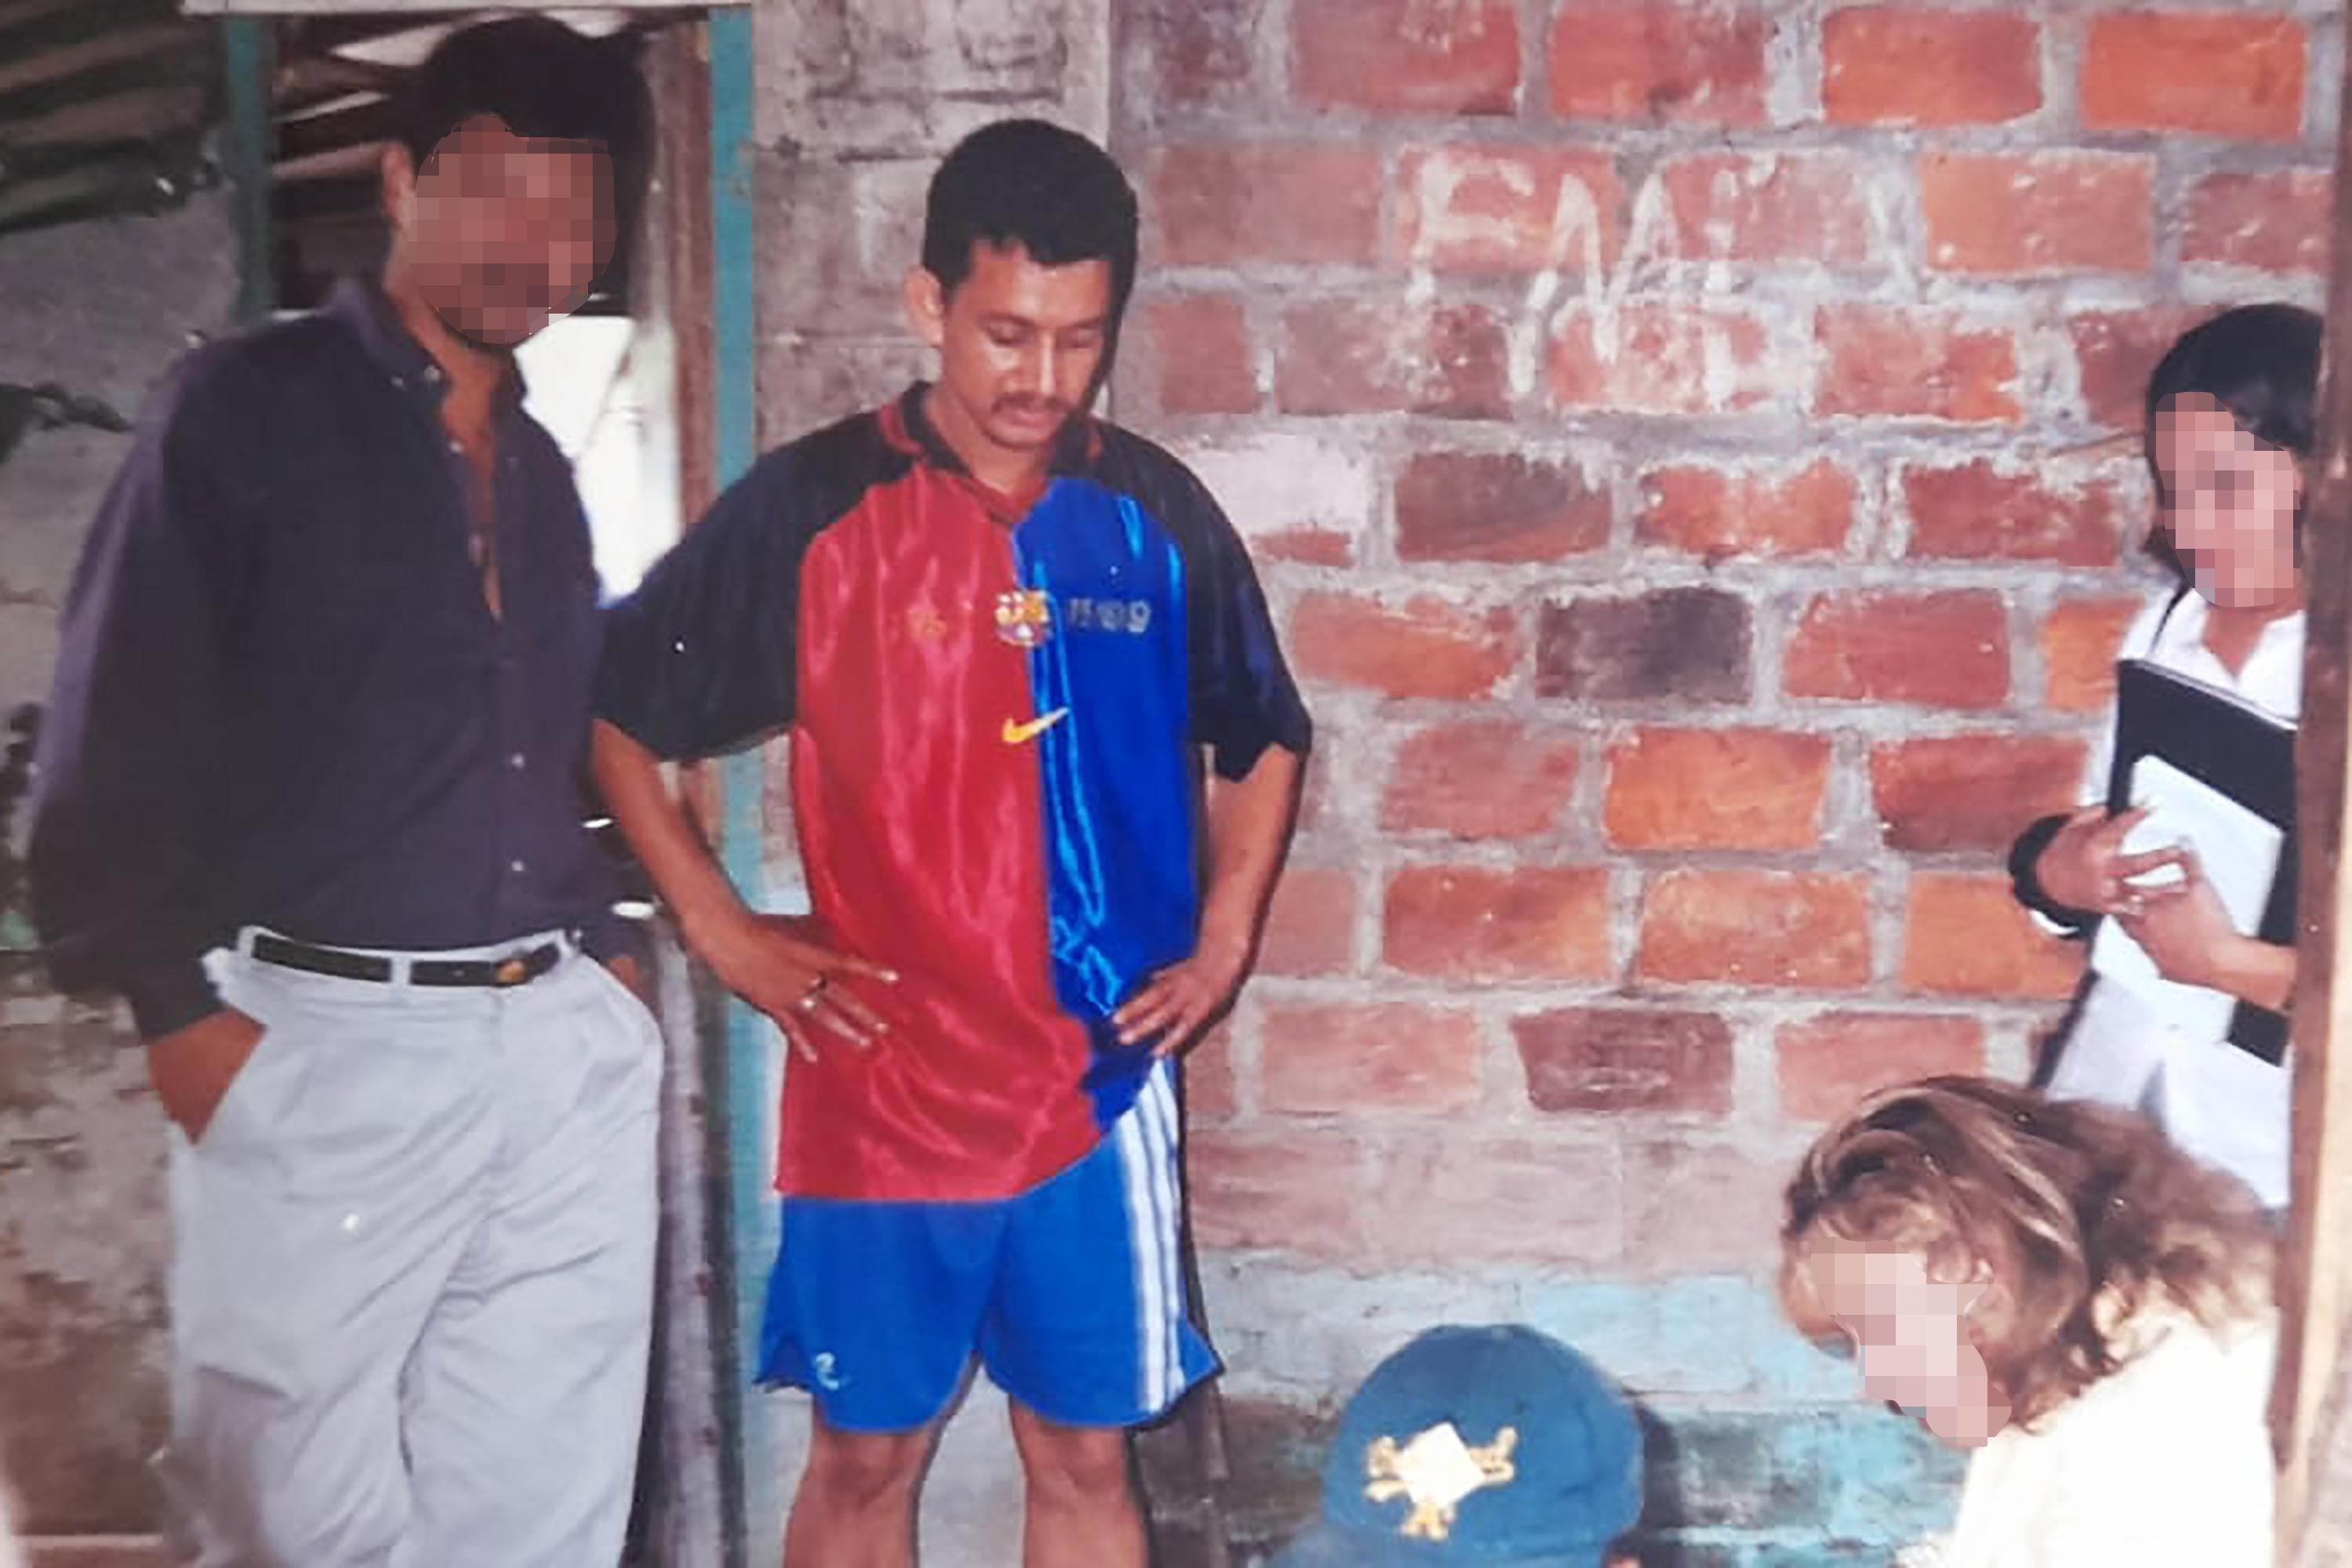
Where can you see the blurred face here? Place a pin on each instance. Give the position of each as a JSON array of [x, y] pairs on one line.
[[1916, 1335], [502, 232], [1020, 346], [2229, 503]]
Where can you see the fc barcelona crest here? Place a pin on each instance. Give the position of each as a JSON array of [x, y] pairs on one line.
[[1025, 616]]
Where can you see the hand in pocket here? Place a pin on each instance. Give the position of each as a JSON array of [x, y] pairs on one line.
[[192, 1067]]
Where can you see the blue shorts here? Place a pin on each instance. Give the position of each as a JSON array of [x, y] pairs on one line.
[[1073, 1294]]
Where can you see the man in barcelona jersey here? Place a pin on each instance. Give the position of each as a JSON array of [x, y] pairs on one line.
[[1004, 637]]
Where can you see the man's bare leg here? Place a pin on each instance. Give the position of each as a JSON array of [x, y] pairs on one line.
[[855, 1506], [1083, 1508]]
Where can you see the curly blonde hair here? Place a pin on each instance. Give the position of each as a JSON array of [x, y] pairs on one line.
[[2084, 1214]]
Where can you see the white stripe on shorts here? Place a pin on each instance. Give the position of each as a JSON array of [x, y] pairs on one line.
[[1135, 1173], [1160, 1094]]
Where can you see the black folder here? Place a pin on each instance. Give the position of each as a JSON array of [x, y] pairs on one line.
[[2220, 739]]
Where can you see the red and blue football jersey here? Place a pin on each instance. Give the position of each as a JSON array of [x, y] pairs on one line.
[[998, 713]]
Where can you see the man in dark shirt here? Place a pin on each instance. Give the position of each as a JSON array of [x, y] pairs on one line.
[[309, 797]]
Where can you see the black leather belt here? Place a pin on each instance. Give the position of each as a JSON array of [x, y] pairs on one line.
[[517, 968]]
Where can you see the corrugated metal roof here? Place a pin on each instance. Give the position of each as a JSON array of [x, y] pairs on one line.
[[104, 107]]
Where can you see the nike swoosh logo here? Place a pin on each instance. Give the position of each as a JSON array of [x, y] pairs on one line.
[[1019, 733]]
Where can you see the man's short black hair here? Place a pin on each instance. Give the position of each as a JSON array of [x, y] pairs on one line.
[[1027, 182], [545, 81], [2259, 361]]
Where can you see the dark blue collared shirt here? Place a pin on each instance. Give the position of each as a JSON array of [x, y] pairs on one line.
[[282, 698]]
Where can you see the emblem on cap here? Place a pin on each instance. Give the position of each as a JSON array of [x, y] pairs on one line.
[[1434, 1472], [1025, 616], [513, 971]]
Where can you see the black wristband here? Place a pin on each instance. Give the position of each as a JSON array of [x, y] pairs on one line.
[[2024, 856]]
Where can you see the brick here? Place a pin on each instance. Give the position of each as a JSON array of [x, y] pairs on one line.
[[1194, 52], [1781, 206], [1662, 359], [2261, 223], [1923, 364], [1498, 506], [1904, 65], [1310, 926], [1828, 1062], [1980, 512], [1319, 812], [1201, 348], [1294, 1189], [1387, 1057], [1662, 63], [1690, 645], [1509, 209], [2080, 639], [1600, 1060], [1934, 650], [1212, 1097], [1717, 789], [1697, 1208], [1471, 924], [1966, 936], [1480, 779], [1756, 929], [1364, 357], [1442, 1197], [1295, 494], [2223, 75], [1971, 792], [1421, 647], [1405, 56], [2007, 214], [67, 1551], [2117, 351], [1226, 206], [1306, 546], [1709, 512]]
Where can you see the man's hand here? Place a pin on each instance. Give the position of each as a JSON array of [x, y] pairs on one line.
[[790, 970], [191, 1068], [624, 968], [1182, 1000], [2084, 867]]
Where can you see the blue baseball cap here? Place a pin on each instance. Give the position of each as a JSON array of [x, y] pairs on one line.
[[1478, 1444]]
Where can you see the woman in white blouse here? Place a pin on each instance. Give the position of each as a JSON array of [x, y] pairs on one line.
[[2230, 417], [2054, 1286]]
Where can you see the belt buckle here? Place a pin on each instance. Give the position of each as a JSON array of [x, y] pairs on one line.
[[511, 972]]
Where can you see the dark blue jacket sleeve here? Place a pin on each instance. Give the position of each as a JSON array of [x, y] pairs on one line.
[[1244, 699], [700, 659], [127, 780]]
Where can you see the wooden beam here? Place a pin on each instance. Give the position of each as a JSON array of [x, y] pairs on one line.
[[335, 130], [37, 70], [135, 115], [306, 83], [2315, 1269]]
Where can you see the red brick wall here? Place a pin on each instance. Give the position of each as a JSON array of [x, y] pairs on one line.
[[1653, 422]]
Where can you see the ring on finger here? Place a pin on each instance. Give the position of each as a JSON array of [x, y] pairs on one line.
[[810, 997]]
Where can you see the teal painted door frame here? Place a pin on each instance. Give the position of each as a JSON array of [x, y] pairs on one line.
[[741, 1072]]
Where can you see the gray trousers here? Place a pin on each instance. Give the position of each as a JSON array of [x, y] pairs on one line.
[[412, 1286]]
